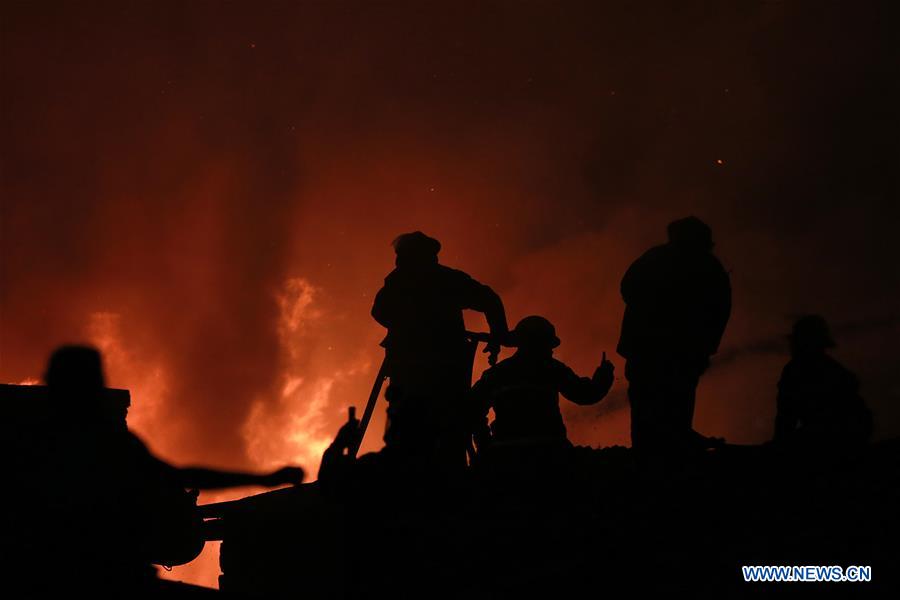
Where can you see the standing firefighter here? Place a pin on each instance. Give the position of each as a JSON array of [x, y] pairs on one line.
[[819, 406], [677, 303], [428, 356]]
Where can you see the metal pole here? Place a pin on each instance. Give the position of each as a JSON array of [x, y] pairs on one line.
[[370, 407]]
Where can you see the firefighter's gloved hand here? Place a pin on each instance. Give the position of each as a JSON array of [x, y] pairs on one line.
[[285, 475], [492, 350]]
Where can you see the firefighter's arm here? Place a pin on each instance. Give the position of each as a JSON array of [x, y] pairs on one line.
[[199, 478], [495, 313], [584, 390], [477, 296]]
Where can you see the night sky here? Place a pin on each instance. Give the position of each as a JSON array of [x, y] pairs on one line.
[[208, 192]]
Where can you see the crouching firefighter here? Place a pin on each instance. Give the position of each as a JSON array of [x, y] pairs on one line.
[[524, 390], [428, 357]]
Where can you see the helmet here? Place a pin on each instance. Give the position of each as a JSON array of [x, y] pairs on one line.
[[690, 231], [416, 245], [811, 331], [534, 332]]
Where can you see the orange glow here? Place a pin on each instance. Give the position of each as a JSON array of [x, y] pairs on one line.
[[297, 427], [208, 191]]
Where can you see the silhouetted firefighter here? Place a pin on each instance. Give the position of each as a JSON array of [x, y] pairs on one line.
[[819, 406], [678, 300], [524, 390], [427, 355], [100, 499]]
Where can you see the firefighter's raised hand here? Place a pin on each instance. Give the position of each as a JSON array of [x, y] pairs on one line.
[[605, 373], [348, 435]]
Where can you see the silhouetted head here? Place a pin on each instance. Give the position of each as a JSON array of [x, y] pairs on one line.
[[534, 334], [810, 334], [75, 368], [690, 232], [416, 249], [75, 372]]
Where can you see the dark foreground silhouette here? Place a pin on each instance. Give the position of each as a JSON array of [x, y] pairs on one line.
[[93, 508], [599, 523]]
